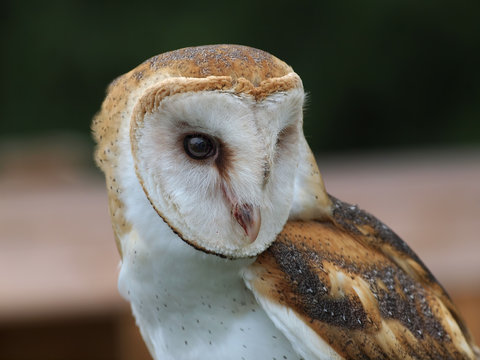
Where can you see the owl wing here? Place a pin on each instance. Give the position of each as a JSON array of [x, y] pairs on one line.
[[349, 288]]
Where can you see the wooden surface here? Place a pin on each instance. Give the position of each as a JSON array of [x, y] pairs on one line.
[[58, 261]]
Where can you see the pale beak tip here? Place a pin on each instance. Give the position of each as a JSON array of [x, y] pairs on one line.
[[249, 218]]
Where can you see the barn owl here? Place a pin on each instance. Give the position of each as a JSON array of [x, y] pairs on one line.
[[231, 247]]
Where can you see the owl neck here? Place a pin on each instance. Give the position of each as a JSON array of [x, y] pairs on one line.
[[184, 300]]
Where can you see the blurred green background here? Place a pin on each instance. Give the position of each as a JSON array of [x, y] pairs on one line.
[[379, 73]]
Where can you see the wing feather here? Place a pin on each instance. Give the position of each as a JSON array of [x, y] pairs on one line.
[[359, 289]]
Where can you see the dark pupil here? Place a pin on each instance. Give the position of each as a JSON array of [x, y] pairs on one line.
[[198, 146]]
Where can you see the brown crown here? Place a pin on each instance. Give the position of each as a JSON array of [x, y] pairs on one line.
[[218, 60]]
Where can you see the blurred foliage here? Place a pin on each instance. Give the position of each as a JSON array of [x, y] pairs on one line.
[[379, 73]]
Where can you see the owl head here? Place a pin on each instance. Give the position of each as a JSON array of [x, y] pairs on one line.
[[213, 136]]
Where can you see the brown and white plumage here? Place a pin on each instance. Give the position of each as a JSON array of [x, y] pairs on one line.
[[335, 284], [359, 288]]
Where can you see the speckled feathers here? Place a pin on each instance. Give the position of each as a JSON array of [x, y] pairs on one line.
[[361, 289]]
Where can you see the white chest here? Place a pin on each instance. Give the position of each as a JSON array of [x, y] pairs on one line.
[[190, 305]]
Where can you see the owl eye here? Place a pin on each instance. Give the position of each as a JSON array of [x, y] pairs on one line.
[[199, 146]]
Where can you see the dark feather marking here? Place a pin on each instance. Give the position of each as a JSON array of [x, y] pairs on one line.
[[313, 294], [405, 301], [224, 160], [350, 216]]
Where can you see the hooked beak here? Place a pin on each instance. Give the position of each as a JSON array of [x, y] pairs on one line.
[[249, 219], [247, 215]]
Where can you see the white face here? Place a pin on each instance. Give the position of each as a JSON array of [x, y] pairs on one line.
[[219, 167]]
